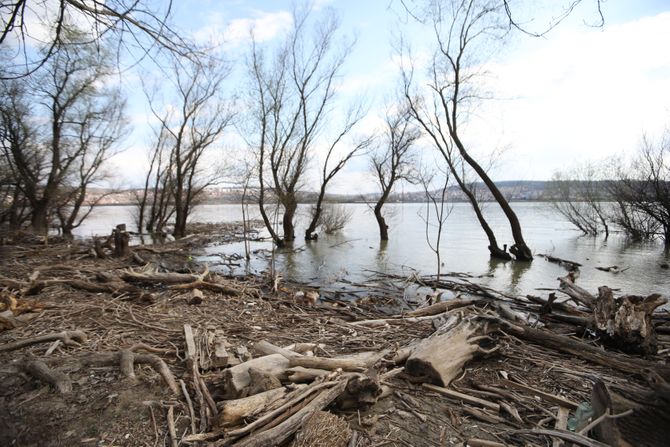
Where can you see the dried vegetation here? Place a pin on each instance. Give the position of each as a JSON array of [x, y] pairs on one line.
[[153, 349]]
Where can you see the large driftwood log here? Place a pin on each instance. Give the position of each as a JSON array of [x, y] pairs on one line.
[[282, 432], [236, 379], [235, 411], [623, 323], [346, 364], [440, 358]]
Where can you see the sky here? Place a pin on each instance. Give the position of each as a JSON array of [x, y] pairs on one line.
[[579, 93]]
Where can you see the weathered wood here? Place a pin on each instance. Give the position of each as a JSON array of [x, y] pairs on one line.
[[236, 379], [279, 434], [298, 374], [235, 411], [552, 398], [261, 381], [267, 348], [191, 352], [464, 397], [329, 363], [68, 338], [121, 240], [441, 307], [626, 322], [440, 358], [570, 345], [561, 424]]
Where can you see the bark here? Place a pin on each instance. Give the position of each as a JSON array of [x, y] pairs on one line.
[[381, 222], [290, 207]]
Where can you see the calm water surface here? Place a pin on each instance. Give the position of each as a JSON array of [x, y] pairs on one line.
[[356, 250]]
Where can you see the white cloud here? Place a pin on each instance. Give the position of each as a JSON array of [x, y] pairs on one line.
[[583, 94], [265, 26]]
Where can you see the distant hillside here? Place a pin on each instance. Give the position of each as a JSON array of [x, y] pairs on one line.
[[513, 190]]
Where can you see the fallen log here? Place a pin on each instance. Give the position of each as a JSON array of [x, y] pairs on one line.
[[235, 411], [267, 348], [356, 363], [236, 379], [585, 351], [441, 307], [279, 434], [440, 358]]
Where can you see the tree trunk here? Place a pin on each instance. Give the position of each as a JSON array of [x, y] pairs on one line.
[[316, 215], [520, 250], [290, 207], [381, 222], [39, 220]]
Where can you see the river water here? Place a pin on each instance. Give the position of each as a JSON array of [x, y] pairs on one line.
[[355, 251]]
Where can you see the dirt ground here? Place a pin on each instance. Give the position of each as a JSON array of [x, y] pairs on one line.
[[104, 408]]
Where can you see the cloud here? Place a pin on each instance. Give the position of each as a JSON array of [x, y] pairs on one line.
[[265, 26], [584, 94]]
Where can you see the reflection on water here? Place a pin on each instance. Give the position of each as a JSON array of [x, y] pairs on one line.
[[356, 251]]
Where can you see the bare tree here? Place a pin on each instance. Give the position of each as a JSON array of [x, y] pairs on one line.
[[133, 25], [291, 98], [66, 126], [459, 27], [579, 195], [328, 171], [334, 217], [418, 8], [190, 130], [393, 161], [436, 204], [642, 192]]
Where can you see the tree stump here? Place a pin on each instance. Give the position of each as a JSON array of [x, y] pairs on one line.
[[440, 358], [121, 240]]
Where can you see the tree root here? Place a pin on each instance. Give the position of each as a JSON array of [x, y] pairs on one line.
[[68, 338], [126, 359], [41, 371]]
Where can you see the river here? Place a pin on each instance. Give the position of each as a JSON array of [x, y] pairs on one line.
[[355, 251]]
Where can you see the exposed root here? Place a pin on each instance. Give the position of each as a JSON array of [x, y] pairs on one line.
[[68, 338], [41, 371]]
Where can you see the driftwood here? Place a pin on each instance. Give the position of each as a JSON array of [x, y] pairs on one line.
[[235, 411], [121, 240], [624, 323], [126, 359], [463, 397], [362, 391], [586, 351], [570, 265], [440, 358], [441, 307], [298, 374], [68, 338], [354, 363], [267, 348], [236, 379], [282, 432]]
